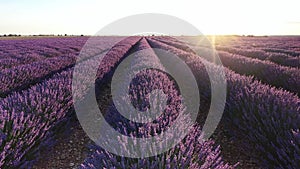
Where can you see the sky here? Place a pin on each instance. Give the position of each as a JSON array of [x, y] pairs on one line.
[[226, 17]]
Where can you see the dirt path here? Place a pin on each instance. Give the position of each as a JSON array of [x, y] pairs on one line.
[[69, 151], [232, 150]]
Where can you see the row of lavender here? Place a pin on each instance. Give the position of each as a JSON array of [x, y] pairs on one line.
[[23, 51], [191, 152], [267, 118], [284, 45], [268, 72], [288, 45], [47, 47], [23, 76], [28, 117], [263, 50], [265, 55]]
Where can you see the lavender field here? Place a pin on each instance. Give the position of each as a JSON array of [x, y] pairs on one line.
[[260, 127]]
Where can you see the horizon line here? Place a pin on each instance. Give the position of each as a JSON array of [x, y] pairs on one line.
[[65, 34]]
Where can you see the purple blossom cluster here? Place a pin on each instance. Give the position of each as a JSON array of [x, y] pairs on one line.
[[267, 118], [192, 152]]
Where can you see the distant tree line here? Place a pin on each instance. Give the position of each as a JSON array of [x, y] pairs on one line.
[[10, 35]]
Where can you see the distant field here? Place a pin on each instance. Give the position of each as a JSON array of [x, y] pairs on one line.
[[32, 37]]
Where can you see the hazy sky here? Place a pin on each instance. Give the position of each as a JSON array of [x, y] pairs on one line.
[[258, 17]]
